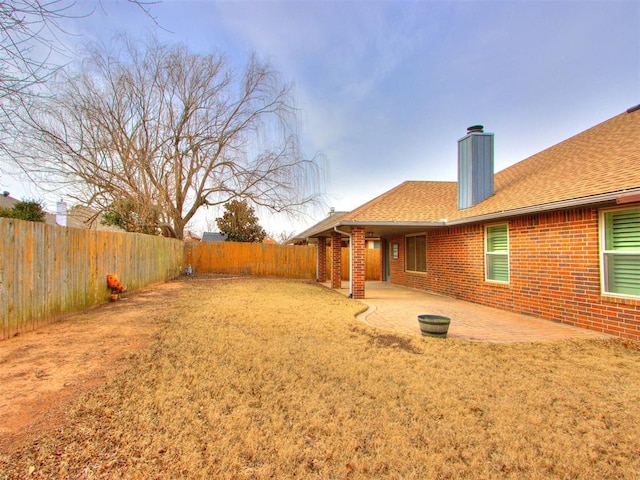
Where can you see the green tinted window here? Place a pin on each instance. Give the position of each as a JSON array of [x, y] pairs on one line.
[[621, 256], [497, 253]]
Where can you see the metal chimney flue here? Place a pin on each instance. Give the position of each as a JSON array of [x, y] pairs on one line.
[[475, 167]]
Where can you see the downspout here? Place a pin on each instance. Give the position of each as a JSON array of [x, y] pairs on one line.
[[317, 262], [350, 260]]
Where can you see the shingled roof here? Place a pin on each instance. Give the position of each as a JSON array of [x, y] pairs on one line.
[[327, 223], [583, 169]]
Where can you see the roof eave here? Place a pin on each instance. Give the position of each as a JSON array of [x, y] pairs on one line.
[[604, 198], [617, 197], [356, 223], [327, 230]]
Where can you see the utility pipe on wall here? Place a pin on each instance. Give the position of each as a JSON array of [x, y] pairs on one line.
[[317, 263], [350, 260]]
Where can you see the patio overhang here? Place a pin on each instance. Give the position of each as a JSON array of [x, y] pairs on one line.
[[374, 229], [388, 228]]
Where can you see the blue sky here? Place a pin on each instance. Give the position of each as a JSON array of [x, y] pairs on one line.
[[386, 88]]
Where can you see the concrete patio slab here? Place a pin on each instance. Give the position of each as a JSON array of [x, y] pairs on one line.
[[395, 308]]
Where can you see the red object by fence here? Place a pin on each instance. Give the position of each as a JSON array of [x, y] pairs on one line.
[[114, 284]]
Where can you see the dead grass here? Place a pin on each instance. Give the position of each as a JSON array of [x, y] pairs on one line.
[[261, 378]]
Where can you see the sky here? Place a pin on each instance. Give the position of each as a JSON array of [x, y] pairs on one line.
[[386, 88]]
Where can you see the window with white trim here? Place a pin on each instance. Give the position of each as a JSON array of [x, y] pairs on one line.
[[416, 253], [497, 253], [620, 251]]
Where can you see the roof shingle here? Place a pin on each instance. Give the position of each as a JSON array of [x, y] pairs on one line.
[[602, 159]]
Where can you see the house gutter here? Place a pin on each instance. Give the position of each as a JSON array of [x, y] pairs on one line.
[[356, 223], [350, 260]]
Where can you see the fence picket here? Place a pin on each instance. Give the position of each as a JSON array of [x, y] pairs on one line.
[[47, 270], [290, 261]]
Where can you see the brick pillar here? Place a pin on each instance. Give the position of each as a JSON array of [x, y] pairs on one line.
[[358, 259], [336, 260], [321, 274]]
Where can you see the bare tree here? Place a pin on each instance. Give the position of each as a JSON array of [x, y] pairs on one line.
[[30, 32], [284, 236], [164, 130], [27, 34]]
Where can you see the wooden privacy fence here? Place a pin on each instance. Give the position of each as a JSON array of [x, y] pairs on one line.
[[269, 260], [47, 270], [290, 261], [373, 265]]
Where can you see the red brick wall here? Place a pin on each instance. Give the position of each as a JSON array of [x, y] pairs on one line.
[[321, 275], [336, 259], [554, 271]]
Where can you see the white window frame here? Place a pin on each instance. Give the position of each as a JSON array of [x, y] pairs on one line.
[[487, 253], [406, 252], [602, 233]]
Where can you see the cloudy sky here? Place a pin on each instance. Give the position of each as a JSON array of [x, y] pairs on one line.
[[386, 88]]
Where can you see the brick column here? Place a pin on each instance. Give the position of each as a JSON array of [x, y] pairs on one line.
[[336, 260], [321, 274], [358, 259]]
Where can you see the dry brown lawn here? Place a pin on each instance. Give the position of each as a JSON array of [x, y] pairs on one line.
[[263, 378]]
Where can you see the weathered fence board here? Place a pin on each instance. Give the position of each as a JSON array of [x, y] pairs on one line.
[[373, 265], [270, 260], [46, 270], [290, 261]]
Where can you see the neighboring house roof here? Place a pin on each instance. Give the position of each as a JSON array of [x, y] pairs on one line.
[[80, 216], [213, 237], [328, 222], [584, 169], [77, 217], [6, 201]]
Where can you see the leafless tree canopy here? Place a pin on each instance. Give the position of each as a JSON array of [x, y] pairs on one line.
[[25, 26], [30, 32], [169, 131]]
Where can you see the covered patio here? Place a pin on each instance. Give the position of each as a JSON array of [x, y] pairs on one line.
[[395, 309]]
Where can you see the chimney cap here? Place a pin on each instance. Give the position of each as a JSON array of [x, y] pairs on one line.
[[475, 129]]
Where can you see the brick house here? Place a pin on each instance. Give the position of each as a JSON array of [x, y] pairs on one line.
[[556, 236]]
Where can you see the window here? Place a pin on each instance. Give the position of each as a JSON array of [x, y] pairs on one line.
[[620, 247], [497, 253], [416, 253]]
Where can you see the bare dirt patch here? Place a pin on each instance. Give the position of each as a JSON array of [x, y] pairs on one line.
[[263, 378], [41, 372]]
